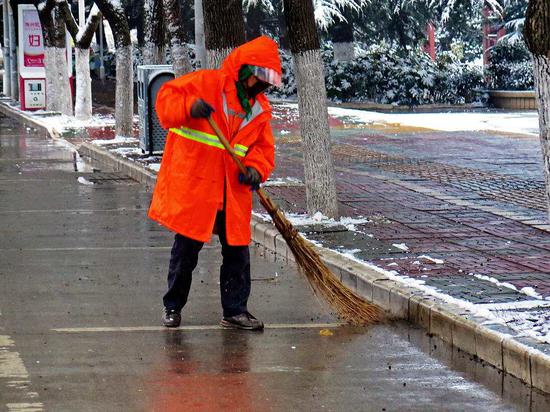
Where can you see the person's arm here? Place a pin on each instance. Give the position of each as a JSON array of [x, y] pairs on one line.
[[175, 99]]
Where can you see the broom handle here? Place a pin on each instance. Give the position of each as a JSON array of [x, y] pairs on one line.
[[266, 201]]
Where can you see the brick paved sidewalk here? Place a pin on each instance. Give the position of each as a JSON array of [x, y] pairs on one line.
[[473, 230]]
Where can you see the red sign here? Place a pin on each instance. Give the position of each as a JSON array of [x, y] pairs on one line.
[[33, 46]]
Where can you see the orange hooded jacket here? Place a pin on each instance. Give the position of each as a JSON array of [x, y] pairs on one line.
[[195, 167]]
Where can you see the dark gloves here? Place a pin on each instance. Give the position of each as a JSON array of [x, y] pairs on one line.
[[253, 178], [201, 109]]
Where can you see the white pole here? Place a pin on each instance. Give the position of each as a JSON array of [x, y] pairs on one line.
[[6, 83], [81, 13], [13, 57], [101, 66]]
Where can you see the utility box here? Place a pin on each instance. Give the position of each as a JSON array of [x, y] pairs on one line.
[[32, 93], [152, 137]]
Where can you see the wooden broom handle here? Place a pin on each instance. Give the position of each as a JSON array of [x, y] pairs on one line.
[[261, 193], [227, 145]]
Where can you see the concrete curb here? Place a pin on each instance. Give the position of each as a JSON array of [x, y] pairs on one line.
[[490, 342], [98, 155], [27, 120]]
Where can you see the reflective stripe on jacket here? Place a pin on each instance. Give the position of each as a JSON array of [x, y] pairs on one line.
[[195, 167]]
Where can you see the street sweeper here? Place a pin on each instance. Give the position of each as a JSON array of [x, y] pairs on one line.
[[199, 189]]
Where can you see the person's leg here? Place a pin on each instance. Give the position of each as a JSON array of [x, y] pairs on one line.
[[234, 273], [235, 283], [183, 260]]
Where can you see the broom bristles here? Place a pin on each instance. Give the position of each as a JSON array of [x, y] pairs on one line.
[[350, 306]]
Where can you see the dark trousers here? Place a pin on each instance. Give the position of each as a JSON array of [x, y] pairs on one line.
[[234, 272]]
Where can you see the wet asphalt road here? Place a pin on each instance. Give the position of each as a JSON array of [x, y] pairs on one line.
[[81, 278]]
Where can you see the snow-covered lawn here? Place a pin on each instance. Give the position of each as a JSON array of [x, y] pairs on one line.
[[509, 122], [526, 122]]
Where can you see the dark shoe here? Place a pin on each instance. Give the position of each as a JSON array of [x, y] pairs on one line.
[[243, 321], [171, 318]]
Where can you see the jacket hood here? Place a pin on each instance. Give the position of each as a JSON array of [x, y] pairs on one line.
[[262, 51]]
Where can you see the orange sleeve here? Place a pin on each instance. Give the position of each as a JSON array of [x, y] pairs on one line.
[[261, 155], [175, 98]]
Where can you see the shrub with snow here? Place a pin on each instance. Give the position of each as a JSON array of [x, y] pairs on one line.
[[386, 74], [510, 67]]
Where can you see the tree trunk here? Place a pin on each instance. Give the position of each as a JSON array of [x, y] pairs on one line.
[[82, 37], [200, 47], [283, 29], [58, 92], [537, 37], [254, 18], [154, 48], [124, 94], [312, 103], [342, 39], [178, 47], [223, 29]]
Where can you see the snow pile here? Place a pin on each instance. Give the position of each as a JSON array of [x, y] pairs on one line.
[[431, 259], [283, 181], [84, 181], [116, 140], [401, 246], [318, 218], [61, 123]]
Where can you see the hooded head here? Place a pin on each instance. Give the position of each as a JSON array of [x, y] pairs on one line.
[[259, 53], [253, 67]]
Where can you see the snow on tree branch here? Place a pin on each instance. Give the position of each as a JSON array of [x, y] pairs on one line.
[[328, 11], [265, 4]]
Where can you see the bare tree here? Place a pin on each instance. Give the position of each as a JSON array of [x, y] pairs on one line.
[[124, 95], [223, 28], [58, 92], [82, 38], [176, 33], [154, 50], [312, 103], [537, 37]]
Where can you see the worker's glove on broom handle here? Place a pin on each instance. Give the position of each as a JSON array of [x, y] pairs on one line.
[[252, 178], [201, 110]]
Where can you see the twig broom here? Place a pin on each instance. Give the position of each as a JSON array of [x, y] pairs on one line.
[[350, 306]]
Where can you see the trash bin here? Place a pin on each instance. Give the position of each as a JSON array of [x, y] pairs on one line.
[[152, 136]]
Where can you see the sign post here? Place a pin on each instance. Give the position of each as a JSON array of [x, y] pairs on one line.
[[32, 75]]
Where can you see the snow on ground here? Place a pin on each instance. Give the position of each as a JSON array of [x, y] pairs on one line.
[[62, 122], [511, 122], [154, 166], [401, 246], [318, 218], [116, 140], [283, 181], [529, 318], [82, 180]]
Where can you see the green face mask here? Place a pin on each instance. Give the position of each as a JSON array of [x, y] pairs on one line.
[[242, 93]]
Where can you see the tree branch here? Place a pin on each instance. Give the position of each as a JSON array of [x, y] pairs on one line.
[[67, 15], [87, 34]]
